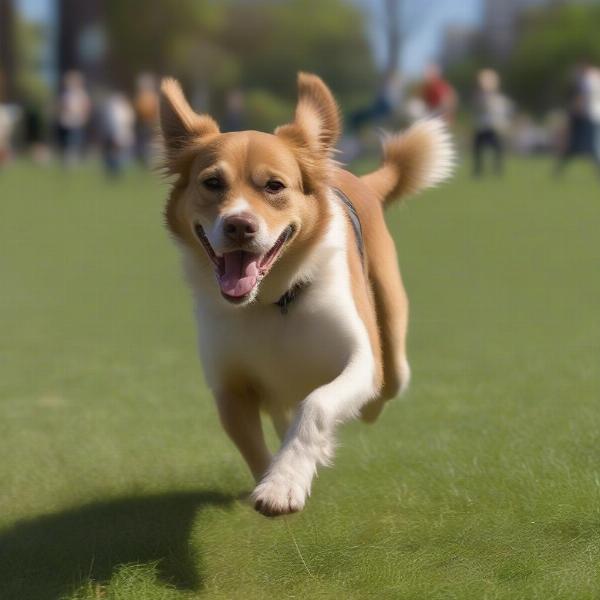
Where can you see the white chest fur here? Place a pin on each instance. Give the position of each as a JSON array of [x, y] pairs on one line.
[[288, 355]]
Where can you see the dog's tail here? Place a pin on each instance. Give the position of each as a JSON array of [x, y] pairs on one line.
[[414, 160]]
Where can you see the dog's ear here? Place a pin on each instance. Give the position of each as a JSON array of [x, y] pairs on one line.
[[317, 121], [180, 125], [314, 131]]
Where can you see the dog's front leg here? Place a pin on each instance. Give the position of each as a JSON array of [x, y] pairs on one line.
[[240, 417], [310, 440]]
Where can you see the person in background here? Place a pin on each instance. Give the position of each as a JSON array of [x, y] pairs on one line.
[[583, 118], [145, 104], [5, 135], [438, 95], [385, 105], [592, 92], [10, 115], [35, 131], [387, 101], [491, 114], [5, 126], [117, 124], [74, 111]]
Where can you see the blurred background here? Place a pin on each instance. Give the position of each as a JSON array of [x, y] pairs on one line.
[[79, 79], [116, 480]]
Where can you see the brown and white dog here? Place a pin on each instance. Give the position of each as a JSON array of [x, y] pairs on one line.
[[299, 314]]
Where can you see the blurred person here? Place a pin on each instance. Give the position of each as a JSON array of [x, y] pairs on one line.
[[9, 114], [117, 132], [34, 131], [583, 118], [593, 108], [386, 102], [5, 134], [4, 126], [385, 105], [438, 95], [145, 104], [491, 112], [74, 111]]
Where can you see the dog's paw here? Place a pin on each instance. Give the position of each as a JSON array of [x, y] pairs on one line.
[[275, 496]]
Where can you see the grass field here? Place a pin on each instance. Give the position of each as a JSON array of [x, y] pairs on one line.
[[483, 482]]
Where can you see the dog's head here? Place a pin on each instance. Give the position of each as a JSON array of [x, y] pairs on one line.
[[249, 204]]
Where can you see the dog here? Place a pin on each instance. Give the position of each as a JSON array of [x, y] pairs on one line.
[[299, 301]]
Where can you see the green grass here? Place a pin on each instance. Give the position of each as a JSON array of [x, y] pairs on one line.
[[484, 482]]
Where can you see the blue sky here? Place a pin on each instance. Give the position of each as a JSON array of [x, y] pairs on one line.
[[424, 45], [431, 17], [39, 10]]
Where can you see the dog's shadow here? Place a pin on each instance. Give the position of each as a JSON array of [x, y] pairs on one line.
[[45, 557]]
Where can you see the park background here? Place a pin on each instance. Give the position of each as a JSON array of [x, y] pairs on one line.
[[116, 480]]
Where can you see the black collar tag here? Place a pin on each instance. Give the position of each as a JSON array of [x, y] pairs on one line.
[[289, 297]]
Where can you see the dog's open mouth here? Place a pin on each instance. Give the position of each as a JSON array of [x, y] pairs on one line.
[[239, 272]]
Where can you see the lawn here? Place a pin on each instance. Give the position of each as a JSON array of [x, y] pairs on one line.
[[483, 482]]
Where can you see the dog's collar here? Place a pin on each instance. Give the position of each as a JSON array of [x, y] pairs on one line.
[[293, 292], [289, 297]]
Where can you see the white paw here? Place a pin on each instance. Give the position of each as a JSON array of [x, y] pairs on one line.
[[276, 495]]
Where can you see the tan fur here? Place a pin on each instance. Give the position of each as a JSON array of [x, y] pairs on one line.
[[390, 302], [238, 404], [363, 297], [414, 160]]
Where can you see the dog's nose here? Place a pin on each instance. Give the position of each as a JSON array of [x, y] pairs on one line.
[[239, 228]]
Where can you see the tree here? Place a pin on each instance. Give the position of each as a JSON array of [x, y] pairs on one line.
[[7, 55], [551, 44], [257, 46], [81, 43], [158, 35], [270, 41]]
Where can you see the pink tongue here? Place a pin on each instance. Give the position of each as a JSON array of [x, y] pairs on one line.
[[239, 273]]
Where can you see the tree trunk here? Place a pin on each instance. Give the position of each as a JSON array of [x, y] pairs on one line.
[[81, 37], [8, 90], [394, 36]]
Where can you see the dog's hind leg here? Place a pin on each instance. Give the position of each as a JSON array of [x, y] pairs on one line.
[[240, 417], [391, 305]]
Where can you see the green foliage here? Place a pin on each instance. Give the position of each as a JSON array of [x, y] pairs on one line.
[[266, 111], [157, 35], [257, 45], [30, 85], [273, 40], [552, 43]]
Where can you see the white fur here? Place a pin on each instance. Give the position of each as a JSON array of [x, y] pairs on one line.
[[422, 156], [441, 159], [316, 360]]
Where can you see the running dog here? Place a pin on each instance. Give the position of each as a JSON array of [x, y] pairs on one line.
[[300, 306]]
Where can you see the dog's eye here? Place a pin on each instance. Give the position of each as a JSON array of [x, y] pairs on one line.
[[273, 186], [214, 183]]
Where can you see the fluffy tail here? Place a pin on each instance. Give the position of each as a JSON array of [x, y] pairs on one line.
[[414, 160]]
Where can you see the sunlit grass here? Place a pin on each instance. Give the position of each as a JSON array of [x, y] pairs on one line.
[[484, 482]]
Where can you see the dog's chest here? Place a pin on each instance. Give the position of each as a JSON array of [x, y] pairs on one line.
[[288, 355]]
